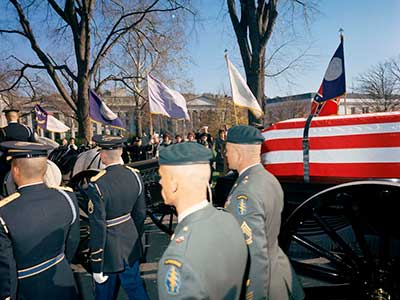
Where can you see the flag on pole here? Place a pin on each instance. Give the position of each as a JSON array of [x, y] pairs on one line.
[[48, 122], [326, 101], [241, 93], [100, 112], [166, 101]]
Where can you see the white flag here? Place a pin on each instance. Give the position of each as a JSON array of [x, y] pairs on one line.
[[166, 101], [241, 94], [56, 125]]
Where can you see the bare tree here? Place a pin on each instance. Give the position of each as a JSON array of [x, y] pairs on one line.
[[91, 29], [253, 29], [156, 46], [395, 68], [381, 88], [288, 109]]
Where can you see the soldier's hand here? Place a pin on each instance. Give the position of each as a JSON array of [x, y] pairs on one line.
[[100, 278]]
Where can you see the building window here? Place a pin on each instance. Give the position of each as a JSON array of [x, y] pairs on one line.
[[365, 110], [352, 110]]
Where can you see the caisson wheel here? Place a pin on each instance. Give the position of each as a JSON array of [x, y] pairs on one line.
[[348, 236]]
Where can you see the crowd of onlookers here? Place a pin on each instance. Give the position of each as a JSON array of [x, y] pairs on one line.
[[145, 147], [142, 148]]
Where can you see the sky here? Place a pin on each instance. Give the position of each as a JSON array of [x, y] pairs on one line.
[[371, 32], [371, 36]]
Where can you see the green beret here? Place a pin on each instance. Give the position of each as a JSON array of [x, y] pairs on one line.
[[244, 134], [109, 142], [184, 154]]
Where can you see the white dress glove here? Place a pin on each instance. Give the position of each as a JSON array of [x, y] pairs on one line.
[[100, 278]]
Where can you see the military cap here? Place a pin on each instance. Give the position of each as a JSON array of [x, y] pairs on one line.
[[109, 142], [7, 110], [244, 134], [18, 149], [185, 154]]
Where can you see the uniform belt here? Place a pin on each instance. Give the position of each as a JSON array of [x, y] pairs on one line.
[[39, 268], [119, 220]]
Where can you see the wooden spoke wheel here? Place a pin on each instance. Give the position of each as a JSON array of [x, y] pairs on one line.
[[348, 236], [161, 214]]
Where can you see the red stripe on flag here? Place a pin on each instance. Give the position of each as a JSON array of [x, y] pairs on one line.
[[338, 121], [346, 170], [378, 140]]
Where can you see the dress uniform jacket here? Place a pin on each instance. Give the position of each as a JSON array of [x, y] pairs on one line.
[[39, 235], [256, 200], [205, 259], [16, 132], [117, 211]]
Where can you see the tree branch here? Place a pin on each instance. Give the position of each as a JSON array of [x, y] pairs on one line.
[[109, 42], [41, 55]]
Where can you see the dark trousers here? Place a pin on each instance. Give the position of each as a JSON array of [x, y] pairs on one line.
[[130, 281]]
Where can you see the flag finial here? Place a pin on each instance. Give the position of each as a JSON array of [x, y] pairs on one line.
[[341, 30]]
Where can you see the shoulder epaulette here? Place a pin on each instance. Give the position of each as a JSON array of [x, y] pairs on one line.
[[9, 199], [95, 178], [64, 188], [132, 169]]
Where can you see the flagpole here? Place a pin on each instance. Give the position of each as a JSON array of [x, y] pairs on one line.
[[151, 124], [234, 106], [234, 109], [345, 95]]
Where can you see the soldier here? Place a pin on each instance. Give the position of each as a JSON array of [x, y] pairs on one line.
[[256, 200], [15, 131], [193, 266], [39, 231], [117, 211]]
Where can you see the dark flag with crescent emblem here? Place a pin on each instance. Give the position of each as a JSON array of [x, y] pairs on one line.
[[100, 112], [326, 101], [41, 116], [48, 122]]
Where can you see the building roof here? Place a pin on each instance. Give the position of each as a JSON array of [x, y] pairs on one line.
[[298, 97]]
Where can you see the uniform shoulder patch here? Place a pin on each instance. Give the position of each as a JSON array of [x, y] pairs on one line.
[[241, 197], [95, 178], [64, 188], [174, 262], [241, 205], [132, 169], [172, 280], [9, 199]]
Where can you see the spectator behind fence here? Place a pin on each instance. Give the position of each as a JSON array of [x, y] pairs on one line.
[[136, 150], [166, 140], [178, 139], [219, 150], [191, 137], [204, 130]]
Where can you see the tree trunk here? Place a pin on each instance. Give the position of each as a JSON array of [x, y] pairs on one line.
[[139, 127], [84, 123], [256, 80]]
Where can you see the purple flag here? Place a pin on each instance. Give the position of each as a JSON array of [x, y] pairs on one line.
[[166, 101], [100, 112], [48, 122], [41, 116]]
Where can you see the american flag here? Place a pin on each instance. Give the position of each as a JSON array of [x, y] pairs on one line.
[[347, 147]]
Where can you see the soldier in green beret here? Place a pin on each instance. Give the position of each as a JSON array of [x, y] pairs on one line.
[[193, 266], [256, 200]]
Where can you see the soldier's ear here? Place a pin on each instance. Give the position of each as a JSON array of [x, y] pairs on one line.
[[174, 185]]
